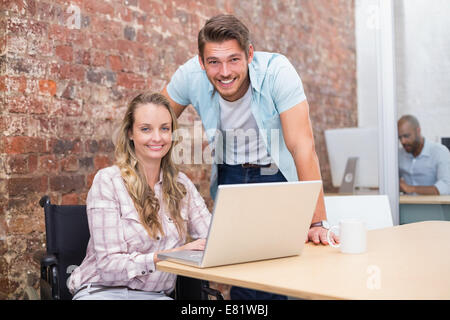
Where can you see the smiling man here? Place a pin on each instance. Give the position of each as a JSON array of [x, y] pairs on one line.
[[235, 89], [424, 166]]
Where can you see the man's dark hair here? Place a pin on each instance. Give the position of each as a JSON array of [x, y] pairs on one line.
[[411, 119], [221, 28]]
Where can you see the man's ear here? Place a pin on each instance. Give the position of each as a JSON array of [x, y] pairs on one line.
[[200, 59], [250, 53]]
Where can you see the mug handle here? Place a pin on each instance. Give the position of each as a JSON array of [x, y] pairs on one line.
[[334, 245]]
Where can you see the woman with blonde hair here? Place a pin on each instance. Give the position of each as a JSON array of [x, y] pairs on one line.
[[137, 208]]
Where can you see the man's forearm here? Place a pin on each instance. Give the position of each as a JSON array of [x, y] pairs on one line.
[[308, 169], [425, 190]]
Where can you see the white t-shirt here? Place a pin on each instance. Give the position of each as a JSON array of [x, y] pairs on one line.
[[242, 140]]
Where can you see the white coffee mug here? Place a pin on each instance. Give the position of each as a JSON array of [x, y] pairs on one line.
[[352, 236]]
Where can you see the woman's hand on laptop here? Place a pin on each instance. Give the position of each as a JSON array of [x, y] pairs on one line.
[[198, 245]]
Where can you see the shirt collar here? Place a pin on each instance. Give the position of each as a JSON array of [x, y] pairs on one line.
[[426, 150], [252, 74]]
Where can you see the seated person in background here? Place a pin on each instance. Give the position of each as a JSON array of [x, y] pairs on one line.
[[424, 166], [137, 208]]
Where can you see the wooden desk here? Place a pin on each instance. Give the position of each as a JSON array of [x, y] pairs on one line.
[[424, 208], [404, 262], [404, 199]]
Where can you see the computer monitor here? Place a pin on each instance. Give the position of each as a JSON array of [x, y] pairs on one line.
[[346, 144]]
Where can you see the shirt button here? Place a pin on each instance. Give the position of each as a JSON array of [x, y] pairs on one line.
[[143, 272], [158, 238], [150, 271]]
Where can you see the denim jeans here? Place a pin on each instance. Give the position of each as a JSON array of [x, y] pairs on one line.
[[235, 174]]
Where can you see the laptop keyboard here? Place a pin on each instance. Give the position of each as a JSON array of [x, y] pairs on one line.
[[196, 256]]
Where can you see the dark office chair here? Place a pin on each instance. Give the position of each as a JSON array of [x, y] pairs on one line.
[[446, 142], [67, 237]]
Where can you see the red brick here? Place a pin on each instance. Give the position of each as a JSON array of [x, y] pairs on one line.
[[65, 146], [68, 128], [64, 52], [71, 71], [17, 26], [47, 125], [131, 81], [3, 83], [132, 48], [31, 67], [111, 29], [47, 87], [48, 163], [98, 59], [14, 125], [102, 42], [101, 161], [25, 186], [83, 57], [70, 199], [59, 33], [32, 163], [151, 6], [106, 146], [67, 183], [16, 44], [37, 29], [22, 164], [3, 42], [69, 164], [124, 13], [20, 225], [89, 179], [98, 6], [71, 107], [22, 144], [115, 63], [26, 104], [18, 84], [17, 164]]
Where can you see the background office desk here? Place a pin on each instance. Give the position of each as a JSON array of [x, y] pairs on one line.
[[403, 262], [424, 208]]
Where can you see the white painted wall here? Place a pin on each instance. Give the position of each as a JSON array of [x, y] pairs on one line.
[[366, 25], [423, 63], [422, 51]]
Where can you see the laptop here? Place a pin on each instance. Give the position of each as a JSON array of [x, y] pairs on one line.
[[254, 222]]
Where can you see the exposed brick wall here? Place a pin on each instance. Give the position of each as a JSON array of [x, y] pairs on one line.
[[64, 83]]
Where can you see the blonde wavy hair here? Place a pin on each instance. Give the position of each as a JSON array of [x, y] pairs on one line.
[[145, 201]]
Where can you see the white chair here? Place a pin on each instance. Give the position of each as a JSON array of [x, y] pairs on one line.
[[374, 210]]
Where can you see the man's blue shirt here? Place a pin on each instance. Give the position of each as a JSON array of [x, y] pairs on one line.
[[430, 168], [276, 87]]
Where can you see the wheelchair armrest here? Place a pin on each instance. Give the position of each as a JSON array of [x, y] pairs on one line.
[[48, 260], [48, 268], [212, 292], [49, 277]]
